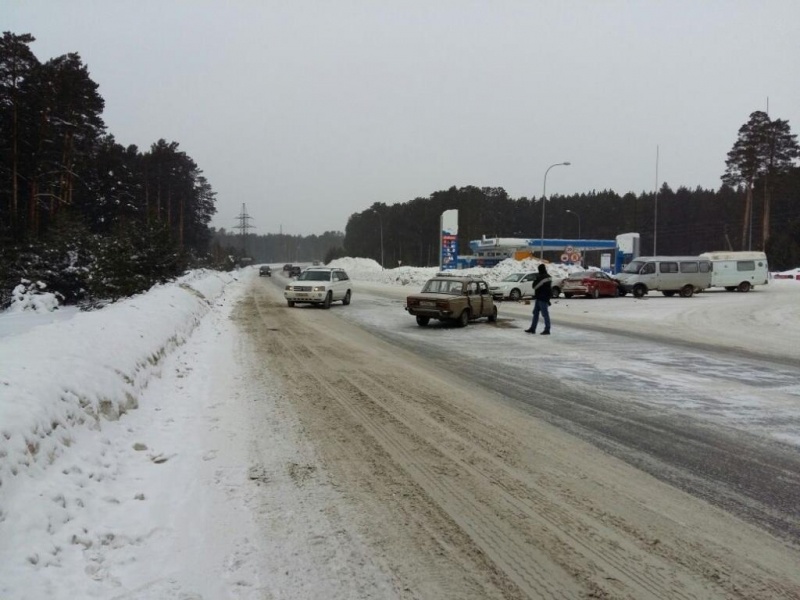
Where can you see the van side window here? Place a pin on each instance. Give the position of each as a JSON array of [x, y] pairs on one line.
[[705, 266], [689, 267], [668, 267], [648, 268], [745, 265]]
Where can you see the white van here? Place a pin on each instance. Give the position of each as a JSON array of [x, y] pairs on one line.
[[669, 275], [738, 270]]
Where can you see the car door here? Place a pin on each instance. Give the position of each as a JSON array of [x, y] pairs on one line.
[[486, 299], [605, 286], [343, 281], [526, 284], [474, 299], [337, 285]]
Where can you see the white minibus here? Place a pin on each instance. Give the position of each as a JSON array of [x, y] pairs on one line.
[[669, 275], [738, 271]]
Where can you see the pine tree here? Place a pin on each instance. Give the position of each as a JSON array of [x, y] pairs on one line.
[[16, 64], [764, 148]]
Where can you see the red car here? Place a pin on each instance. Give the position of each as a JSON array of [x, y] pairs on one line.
[[591, 284]]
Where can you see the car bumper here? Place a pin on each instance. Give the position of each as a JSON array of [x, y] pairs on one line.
[[577, 290], [312, 297], [431, 312]]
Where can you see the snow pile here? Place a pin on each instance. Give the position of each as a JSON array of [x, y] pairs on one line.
[[366, 269], [73, 374], [790, 274], [31, 295]]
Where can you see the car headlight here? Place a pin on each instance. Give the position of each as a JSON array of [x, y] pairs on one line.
[[319, 288], [288, 288]]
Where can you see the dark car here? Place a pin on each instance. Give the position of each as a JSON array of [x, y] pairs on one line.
[[287, 267], [456, 299], [294, 271], [265, 270]]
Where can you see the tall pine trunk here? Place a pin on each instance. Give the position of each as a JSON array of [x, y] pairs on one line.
[[748, 210], [765, 225]]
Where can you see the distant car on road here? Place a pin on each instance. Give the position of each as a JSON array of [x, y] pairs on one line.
[[295, 270], [265, 270], [319, 285], [591, 284], [287, 267], [456, 299]]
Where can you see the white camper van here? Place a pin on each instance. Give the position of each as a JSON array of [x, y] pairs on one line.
[[669, 275], [738, 271]]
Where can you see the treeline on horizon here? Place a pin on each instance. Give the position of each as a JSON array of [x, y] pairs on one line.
[[689, 222], [757, 207], [281, 247], [87, 216]]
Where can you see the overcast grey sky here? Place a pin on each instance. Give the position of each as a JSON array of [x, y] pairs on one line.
[[310, 111]]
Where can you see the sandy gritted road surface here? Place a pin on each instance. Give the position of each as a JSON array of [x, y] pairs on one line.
[[459, 493]]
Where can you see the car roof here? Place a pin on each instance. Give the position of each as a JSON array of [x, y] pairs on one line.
[[458, 278]]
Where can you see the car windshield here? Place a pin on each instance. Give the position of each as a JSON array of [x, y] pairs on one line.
[[442, 286], [514, 277], [633, 267], [314, 276]]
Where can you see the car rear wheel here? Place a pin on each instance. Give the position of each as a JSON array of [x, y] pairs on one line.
[[327, 302], [493, 317], [639, 290], [594, 294], [744, 286], [687, 291], [346, 299], [463, 318], [423, 321], [515, 295]]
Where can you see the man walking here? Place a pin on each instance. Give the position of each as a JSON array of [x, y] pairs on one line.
[[542, 292]]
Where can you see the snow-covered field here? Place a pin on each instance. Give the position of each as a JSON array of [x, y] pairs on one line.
[[84, 422]]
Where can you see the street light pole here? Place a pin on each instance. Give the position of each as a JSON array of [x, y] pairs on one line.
[[544, 200], [380, 222]]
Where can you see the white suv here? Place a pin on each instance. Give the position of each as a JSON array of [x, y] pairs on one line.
[[319, 285]]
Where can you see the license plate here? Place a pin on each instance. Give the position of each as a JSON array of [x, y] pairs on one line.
[[301, 294], [427, 303]]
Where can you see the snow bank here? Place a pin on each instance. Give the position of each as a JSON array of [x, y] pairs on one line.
[[73, 374], [790, 274], [366, 269]]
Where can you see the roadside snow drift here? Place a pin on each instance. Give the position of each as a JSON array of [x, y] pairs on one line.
[[74, 374]]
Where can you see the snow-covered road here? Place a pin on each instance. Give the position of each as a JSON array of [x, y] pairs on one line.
[[230, 481]]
